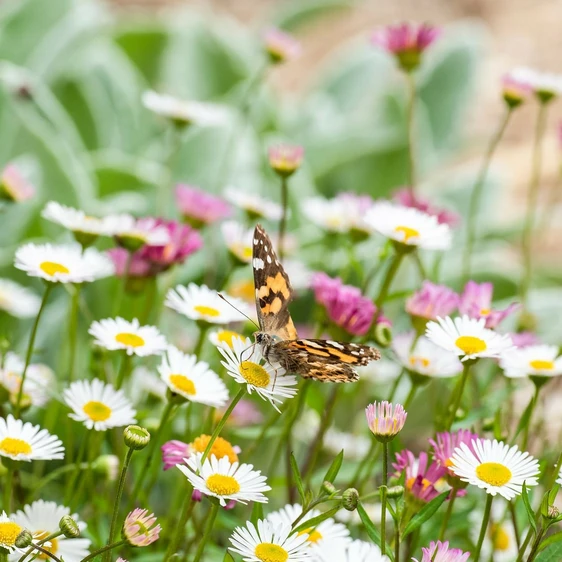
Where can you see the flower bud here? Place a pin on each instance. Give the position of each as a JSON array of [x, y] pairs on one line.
[[69, 527], [383, 333], [350, 499], [24, 539], [395, 492], [107, 466], [553, 512], [329, 488], [136, 437]]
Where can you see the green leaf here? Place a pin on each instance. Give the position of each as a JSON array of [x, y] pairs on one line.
[[298, 479], [549, 541], [528, 508], [315, 521], [369, 526], [552, 552], [553, 493], [296, 14], [334, 468], [227, 557], [424, 514], [257, 512], [525, 418]]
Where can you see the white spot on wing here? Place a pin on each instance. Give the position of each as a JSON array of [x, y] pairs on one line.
[[258, 263], [268, 259], [334, 344]]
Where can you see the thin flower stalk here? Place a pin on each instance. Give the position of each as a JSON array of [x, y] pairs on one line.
[[457, 395], [412, 176], [484, 527], [208, 529]]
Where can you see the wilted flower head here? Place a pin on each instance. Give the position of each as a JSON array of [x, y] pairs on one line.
[[13, 186], [440, 552], [199, 207], [385, 420], [408, 198], [280, 46], [447, 442], [407, 41], [139, 528], [432, 301], [345, 305], [421, 477], [476, 302], [173, 453], [285, 159]]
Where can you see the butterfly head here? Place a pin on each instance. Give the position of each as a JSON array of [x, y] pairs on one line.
[[264, 339]]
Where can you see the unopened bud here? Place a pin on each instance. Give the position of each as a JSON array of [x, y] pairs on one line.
[[329, 488], [553, 512], [350, 499], [107, 466], [24, 539], [69, 527], [136, 437], [395, 492], [383, 334]]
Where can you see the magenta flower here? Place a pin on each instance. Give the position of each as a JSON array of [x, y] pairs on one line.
[[199, 207], [524, 339], [440, 552], [405, 197], [280, 46], [432, 301], [344, 304], [174, 452], [420, 478], [285, 159], [476, 302], [13, 186], [138, 528], [385, 420], [447, 442], [407, 41]]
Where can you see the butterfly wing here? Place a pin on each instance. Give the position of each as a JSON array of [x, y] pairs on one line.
[[325, 360], [273, 289]]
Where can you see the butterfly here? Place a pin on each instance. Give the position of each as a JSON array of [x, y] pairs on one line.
[[323, 360]]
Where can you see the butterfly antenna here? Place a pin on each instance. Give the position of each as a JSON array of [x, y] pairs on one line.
[[238, 310]]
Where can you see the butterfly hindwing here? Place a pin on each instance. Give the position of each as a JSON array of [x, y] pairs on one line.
[[273, 289]]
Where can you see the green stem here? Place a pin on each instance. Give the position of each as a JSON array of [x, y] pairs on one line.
[[397, 539], [54, 474], [210, 522], [106, 548], [396, 384], [513, 515], [124, 370], [363, 463], [383, 491], [532, 196], [536, 544], [283, 219], [390, 273], [476, 194], [122, 285], [203, 329], [8, 487], [525, 545], [73, 330], [223, 421], [484, 526], [456, 401], [555, 474], [411, 395], [118, 494], [527, 427], [410, 125], [39, 543], [30, 345], [186, 512], [71, 488], [46, 552], [448, 513]]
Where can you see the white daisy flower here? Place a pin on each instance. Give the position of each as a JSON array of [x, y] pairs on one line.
[[118, 333], [18, 300], [198, 302], [238, 240], [467, 337], [63, 263], [267, 542], [327, 530], [495, 467], [345, 551], [253, 204], [134, 232], [538, 360], [426, 358], [98, 405], [144, 383], [26, 442], [185, 112], [218, 337], [9, 532], [545, 82], [74, 219], [246, 364], [225, 480], [409, 226], [41, 519], [192, 379]]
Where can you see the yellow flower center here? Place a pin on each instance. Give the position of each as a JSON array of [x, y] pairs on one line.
[[222, 485], [493, 473], [226, 336], [542, 365], [12, 446], [411, 481], [421, 361], [221, 447], [242, 251], [9, 532], [407, 232], [244, 290], [485, 311], [499, 536], [183, 384], [334, 222], [470, 344], [128, 339], [97, 411], [52, 545], [206, 311], [269, 552], [313, 535], [254, 374], [51, 267]]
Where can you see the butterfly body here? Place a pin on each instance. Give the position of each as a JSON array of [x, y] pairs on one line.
[[323, 360]]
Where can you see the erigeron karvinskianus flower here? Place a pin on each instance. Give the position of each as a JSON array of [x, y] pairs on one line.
[[515, 90], [26, 442], [192, 379], [200, 208], [255, 206], [440, 552], [476, 302], [285, 159], [138, 528], [545, 85], [280, 45], [533, 361], [429, 303], [409, 198], [9, 532], [134, 339], [495, 467], [347, 551], [225, 480], [443, 447], [218, 337], [468, 338], [17, 300], [421, 477], [238, 240], [246, 364], [41, 519], [63, 263], [385, 420], [98, 405], [406, 41], [132, 233], [14, 186]]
